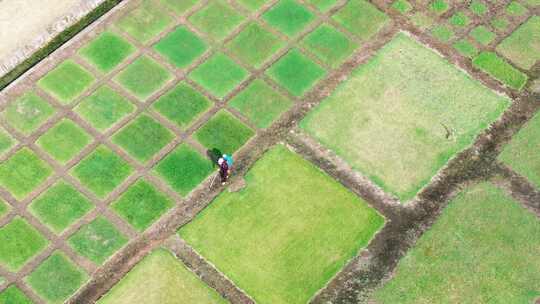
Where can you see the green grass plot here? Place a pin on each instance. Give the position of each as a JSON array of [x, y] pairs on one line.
[[523, 46], [27, 113], [310, 225], [482, 35], [60, 206], [141, 205], [20, 243], [465, 48], [166, 281], [181, 47], [23, 172], [219, 75], [143, 138], [224, 132], [179, 6], [478, 7], [390, 119], [102, 171], [402, 6], [97, 240], [482, 249], [459, 19], [13, 295], [500, 23], [286, 72], [64, 140], [217, 19], [67, 81], [439, 6], [254, 45], [515, 9], [362, 19], [56, 278], [145, 22], [252, 5], [182, 105], [494, 65], [442, 33], [422, 20], [329, 44], [323, 5], [4, 208], [184, 168], [260, 103], [6, 141], [106, 51], [143, 77], [288, 16]]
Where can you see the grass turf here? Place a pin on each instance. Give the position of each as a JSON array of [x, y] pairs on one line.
[[13, 295], [482, 249], [523, 46], [402, 6], [143, 138], [6, 141], [23, 172], [465, 48], [219, 75], [494, 65], [254, 45], [97, 240], [515, 9], [56, 278], [143, 77], [165, 281], [389, 119], [310, 224], [104, 108], [329, 44], [459, 19], [66, 81], [361, 18], [27, 113], [260, 103], [60, 206], [217, 19], [478, 7], [285, 72], [442, 33], [252, 5], [102, 171], [288, 16], [482, 35], [184, 168], [64, 140], [224, 132], [323, 5], [179, 6], [4, 208], [141, 205], [20, 242], [106, 51], [439, 6], [181, 47], [145, 22]]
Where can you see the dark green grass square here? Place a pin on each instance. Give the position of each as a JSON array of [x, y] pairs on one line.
[[323, 5], [182, 105], [63, 141], [20, 242], [515, 9], [500, 69], [442, 33], [219, 75], [224, 132], [141, 205], [217, 19], [60, 206], [254, 45], [402, 6], [478, 7], [23, 172], [143, 77], [329, 44], [13, 295], [179, 6], [6, 141], [288, 16], [439, 6], [459, 19], [465, 48], [67, 81], [145, 22], [296, 72], [56, 278], [102, 171], [181, 47], [97, 240], [104, 108], [106, 51], [260, 103], [184, 168], [143, 138], [482, 35], [27, 113], [252, 5], [361, 18]]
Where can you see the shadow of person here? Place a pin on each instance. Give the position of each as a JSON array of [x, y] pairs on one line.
[[214, 154]]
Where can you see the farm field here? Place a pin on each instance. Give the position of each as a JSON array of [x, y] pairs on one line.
[[384, 152]]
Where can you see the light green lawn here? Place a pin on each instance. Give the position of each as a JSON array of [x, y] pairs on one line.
[[523, 46]]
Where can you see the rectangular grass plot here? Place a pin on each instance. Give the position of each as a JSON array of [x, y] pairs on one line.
[[224, 132]]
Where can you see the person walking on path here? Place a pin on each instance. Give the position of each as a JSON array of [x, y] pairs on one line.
[[224, 170]]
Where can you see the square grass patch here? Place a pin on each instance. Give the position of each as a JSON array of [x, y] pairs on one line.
[[20, 242], [515, 9], [439, 7], [311, 226], [523, 46], [442, 33], [286, 72], [254, 45], [145, 22], [217, 19], [56, 279], [478, 7], [179, 6], [501, 70], [459, 20], [27, 113], [60, 206], [482, 35], [182, 105], [401, 145], [23, 172], [6, 141], [98, 240], [402, 6], [260, 103], [166, 281], [102, 171], [522, 152], [67, 81], [106, 51], [14, 295], [143, 77], [184, 168], [288, 16], [143, 138], [219, 75], [141, 205], [323, 5], [455, 261], [104, 108], [465, 48], [500, 23], [64, 140], [181, 47], [224, 132], [252, 5], [329, 44], [362, 19]]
